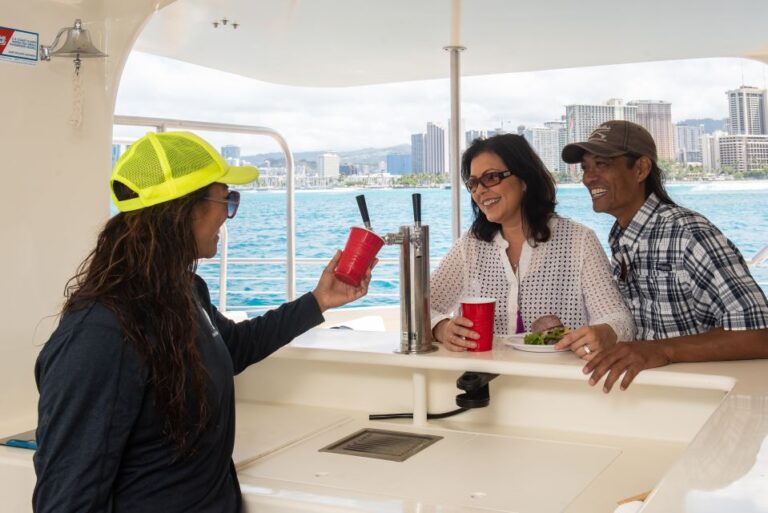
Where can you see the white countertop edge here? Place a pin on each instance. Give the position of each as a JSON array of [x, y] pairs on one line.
[[485, 363]]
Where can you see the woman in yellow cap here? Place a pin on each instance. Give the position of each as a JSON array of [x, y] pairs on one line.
[[136, 410]]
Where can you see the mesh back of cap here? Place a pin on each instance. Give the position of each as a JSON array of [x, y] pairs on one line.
[[185, 156], [164, 166], [144, 169]]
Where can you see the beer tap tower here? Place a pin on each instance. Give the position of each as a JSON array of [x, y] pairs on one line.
[[415, 328]]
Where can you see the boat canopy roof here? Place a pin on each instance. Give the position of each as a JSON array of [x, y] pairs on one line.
[[329, 43]]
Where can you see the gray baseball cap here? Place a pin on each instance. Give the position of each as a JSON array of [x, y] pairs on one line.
[[611, 139]]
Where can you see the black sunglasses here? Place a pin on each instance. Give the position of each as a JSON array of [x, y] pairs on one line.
[[488, 180], [232, 200]]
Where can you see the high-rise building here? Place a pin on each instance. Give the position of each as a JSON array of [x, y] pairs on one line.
[[435, 150], [748, 111], [710, 151], [398, 164], [743, 153], [231, 154], [546, 143], [328, 165], [471, 135], [562, 140], [738, 153], [581, 120], [688, 142], [656, 117], [417, 153]]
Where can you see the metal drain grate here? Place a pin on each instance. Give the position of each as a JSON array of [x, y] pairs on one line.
[[381, 444]]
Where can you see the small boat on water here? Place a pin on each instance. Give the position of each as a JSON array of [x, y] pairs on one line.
[[692, 435]]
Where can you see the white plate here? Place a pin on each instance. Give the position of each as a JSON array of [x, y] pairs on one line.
[[516, 342]]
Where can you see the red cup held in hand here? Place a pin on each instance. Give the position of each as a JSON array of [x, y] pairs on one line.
[[358, 255], [480, 310]]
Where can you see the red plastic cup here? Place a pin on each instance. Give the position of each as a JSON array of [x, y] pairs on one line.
[[362, 247], [480, 310]]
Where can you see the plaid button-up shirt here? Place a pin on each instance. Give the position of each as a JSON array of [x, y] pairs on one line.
[[682, 276]]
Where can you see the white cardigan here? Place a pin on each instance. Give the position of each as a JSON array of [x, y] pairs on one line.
[[568, 276]]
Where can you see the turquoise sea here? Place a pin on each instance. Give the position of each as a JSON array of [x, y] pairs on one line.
[[323, 219]]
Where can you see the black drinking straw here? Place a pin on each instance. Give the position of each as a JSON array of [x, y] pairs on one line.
[[363, 210]]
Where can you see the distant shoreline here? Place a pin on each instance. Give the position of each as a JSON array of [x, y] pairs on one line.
[[724, 185]]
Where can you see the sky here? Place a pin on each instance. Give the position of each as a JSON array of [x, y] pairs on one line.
[[343, 119]]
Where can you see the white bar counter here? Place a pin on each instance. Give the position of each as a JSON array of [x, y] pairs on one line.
[[690, 433]]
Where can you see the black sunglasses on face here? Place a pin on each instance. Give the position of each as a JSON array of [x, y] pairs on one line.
[[232, 200], [488, 180]]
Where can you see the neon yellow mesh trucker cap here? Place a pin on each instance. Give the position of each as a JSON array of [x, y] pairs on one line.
[[161, 167]]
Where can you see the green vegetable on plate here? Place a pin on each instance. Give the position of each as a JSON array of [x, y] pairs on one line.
[[549, 337]]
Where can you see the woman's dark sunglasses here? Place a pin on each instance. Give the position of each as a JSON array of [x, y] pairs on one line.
[[232, 200], [488, 180]]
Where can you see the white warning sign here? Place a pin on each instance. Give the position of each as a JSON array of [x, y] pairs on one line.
[[18, 45]]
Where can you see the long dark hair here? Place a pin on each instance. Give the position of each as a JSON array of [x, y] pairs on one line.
[[538, 204], [655, 181], [142, 270]]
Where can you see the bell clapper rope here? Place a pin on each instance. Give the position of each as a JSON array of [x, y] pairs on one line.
[[76, 118]]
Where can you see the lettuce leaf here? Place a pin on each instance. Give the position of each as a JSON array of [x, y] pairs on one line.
[[549, 337]]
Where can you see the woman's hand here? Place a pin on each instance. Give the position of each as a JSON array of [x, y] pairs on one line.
[[588, 340], [331, 292], [455, 334]]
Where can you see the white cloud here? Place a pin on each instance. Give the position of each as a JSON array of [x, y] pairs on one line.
[[385, 115]]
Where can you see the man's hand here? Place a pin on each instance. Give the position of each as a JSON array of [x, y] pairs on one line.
[[628, 358], [711, 346], [331, 292]]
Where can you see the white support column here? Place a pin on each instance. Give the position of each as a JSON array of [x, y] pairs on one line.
[[419, 398], [455, 136]]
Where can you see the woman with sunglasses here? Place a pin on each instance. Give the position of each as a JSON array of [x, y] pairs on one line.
[[520, 252], [136, 409]]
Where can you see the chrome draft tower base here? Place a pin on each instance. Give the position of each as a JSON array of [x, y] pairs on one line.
[[415, 325]]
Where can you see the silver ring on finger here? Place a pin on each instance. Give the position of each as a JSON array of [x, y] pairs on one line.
[[587, 350]]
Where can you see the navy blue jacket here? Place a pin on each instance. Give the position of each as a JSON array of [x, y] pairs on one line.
[[100, 437]]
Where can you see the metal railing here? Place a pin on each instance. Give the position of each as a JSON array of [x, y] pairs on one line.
[[224, 261], [759, 257], [162, 124]]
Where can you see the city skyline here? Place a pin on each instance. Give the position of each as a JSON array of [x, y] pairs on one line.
[[342, 119], [742, 147]]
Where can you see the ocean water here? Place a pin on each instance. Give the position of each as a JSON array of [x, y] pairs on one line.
[[323, 219]]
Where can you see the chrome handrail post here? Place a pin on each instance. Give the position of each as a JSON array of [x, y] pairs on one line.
[[223, 262]]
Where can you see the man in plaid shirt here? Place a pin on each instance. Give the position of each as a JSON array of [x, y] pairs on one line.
[[688, 287]]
